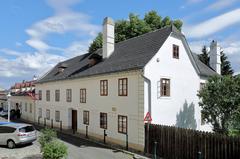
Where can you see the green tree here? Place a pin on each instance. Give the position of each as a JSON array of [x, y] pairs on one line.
[[55, 150], [226, 65], [153, 20], [135, 26], [226, 68], [220, 102], [204, 56], [185, 118], [97, 43]]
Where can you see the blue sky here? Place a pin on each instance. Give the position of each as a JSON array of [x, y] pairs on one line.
[[35, 35]]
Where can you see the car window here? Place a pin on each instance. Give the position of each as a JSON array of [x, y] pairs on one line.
[[27, 129], [6, 129]]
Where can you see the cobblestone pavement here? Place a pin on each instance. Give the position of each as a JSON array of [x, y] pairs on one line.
[[77, 149]]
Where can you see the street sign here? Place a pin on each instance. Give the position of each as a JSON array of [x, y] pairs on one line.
[[148, 117]]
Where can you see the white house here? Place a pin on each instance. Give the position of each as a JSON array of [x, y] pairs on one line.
[[23, 98], [114, 87]]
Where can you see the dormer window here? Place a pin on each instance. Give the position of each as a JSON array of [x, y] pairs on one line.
[[175, 51], [62, 67]]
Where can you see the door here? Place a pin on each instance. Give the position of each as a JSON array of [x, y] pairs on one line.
[[74, 119]]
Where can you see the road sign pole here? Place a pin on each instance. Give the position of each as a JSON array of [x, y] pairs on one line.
[[147, 119]]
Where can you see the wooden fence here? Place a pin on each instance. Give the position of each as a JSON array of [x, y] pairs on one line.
[[178, 143]]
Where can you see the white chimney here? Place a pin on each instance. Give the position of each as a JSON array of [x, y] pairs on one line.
[[108, 37], [215, 56]]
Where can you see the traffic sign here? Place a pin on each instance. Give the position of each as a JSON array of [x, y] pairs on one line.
[[148, 117]]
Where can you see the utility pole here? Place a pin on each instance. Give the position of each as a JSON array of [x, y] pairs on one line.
[[9, 105]]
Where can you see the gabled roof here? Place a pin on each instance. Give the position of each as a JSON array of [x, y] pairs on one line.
[[130, 54], [203, 69]]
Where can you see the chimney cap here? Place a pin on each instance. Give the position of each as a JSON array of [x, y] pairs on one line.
[[108, 20]]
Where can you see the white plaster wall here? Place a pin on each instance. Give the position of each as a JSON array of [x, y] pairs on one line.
[[26, 115], [125, 105], [185, 83]]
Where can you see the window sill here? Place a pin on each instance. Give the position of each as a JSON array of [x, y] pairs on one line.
[[165, 97]]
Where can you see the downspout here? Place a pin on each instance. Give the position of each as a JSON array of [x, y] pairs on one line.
[[149, 92]]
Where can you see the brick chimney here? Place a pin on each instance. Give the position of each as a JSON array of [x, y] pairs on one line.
[[215, 57], [108, 37]]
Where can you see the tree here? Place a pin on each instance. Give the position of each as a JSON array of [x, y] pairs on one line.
[[135, 26], [226, 68], [185, 118], [226, 65], [153, 20], [204, 56], [97, 43], [220, 102]]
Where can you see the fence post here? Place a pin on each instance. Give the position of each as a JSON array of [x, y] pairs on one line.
[[199, 155], [147, 144], [86, 131], [104, 139], [155, 150], [61, 125], [51, 123], [126, 141]]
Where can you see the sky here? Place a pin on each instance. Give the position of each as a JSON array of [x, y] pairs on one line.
[[37, 34]]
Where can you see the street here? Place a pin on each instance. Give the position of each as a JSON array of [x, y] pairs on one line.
[[77, 149]]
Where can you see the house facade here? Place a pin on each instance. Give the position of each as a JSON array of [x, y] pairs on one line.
[[23, 98], [3, 98], [113, 88]]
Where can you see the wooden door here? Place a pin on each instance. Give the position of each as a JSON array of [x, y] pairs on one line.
[[74, 119]]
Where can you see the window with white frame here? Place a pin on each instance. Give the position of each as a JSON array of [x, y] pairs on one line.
[[86, 117], [26, 107], [57, 116], [39, 95], [39, 112], [69, 95], [122, 124], [57, 95], [48, 95], [30, 107], [48, 114]]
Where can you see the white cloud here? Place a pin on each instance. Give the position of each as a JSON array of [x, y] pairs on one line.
[[10, 52], [64, 20], [213, 25], [232, 48], [77, 48], [28, 64], [220, 4]]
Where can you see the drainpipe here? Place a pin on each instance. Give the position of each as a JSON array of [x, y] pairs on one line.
[[149, 93], [149, 110]]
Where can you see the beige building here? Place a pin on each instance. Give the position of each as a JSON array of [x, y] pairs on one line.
[[3, 98], [23, 97], [114, 87]]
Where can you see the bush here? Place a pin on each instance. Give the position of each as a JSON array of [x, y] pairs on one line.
[[54, 150], [47, 135]]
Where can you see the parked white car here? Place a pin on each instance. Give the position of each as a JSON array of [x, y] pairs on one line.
[[12, 134]]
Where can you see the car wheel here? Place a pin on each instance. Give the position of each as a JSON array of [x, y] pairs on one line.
[[11, 144]]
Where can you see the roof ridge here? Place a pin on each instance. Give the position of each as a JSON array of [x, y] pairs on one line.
[[165, 27], [157, 30]]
